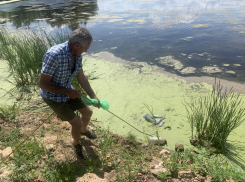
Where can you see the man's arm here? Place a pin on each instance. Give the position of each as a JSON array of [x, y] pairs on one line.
[[46, 84], [83, 81]]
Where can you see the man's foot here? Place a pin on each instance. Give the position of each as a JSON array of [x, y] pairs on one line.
[[78, 150], [89, 134]]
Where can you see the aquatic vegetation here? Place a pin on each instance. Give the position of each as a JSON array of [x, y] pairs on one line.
[[188, 70], [214, 117], [211, 69], [170, 61], [23, 52]]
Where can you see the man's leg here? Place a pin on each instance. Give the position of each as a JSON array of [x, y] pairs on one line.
[[86, 115], [76, 124]]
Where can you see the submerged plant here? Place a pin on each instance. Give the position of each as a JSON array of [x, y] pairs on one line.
[[215, 116]]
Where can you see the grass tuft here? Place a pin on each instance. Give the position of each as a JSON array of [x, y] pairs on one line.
[[23, 52], [214, 117]]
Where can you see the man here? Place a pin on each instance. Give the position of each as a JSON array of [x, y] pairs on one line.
[[60, 63]]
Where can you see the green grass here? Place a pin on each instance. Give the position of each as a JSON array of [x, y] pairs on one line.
[[214, 116], [23, 52], [10, 112], [32, 162], [9, 138], [203, 164], [131, 136]]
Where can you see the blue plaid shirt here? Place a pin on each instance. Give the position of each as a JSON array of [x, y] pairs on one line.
[[56, 63]]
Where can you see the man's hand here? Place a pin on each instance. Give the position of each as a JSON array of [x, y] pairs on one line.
[[73, 94], [83, 81], [98, 105]]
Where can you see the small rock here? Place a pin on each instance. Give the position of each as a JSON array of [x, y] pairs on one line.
[[115, 135], [164, 151], [89, 177], [156, 172], [193, 142], [6, 152], [231, 72], [158, 166], [118, 161], [50, 147], [179, 147], [186, 174]]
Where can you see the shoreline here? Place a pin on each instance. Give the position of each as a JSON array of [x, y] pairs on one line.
[[237, 87]]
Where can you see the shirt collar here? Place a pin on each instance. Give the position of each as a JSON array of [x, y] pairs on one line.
[[68, 52]]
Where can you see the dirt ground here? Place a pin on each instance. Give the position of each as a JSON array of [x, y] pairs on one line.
[[58, 140]]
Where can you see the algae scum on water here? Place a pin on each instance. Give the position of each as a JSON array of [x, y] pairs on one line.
[[137, 93]]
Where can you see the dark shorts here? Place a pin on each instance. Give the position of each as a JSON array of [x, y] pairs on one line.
[[65, 111]]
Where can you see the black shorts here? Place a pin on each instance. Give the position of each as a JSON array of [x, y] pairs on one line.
[[65, 111]]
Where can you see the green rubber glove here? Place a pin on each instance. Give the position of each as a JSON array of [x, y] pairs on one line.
[[103, 103]]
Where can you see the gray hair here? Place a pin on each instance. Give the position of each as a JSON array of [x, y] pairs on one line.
[[81, 36]]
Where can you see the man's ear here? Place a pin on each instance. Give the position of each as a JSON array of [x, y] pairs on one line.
[[76, 45]]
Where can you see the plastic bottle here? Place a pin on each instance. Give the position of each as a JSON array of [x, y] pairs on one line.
[[155, 140]]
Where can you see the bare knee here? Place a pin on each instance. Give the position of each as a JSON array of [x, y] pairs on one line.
[[86, 112], [76, 122]]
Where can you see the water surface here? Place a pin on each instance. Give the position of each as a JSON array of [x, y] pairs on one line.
[[199, 34]]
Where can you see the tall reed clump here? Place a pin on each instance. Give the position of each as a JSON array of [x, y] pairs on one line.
[[23, 51], [214, 117]]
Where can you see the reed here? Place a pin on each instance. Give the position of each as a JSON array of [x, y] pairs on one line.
[[215, 116], [23, 51]]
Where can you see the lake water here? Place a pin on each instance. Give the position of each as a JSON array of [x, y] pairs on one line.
[[205, 35]]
